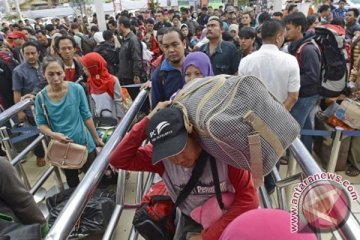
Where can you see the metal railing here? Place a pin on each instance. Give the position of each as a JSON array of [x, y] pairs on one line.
[[16, 160], [77, 202], [8, 113], [351, 228]]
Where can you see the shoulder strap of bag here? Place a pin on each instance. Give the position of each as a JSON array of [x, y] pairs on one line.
[[216, 182], [44, 108], [256, 160], [195, 175]]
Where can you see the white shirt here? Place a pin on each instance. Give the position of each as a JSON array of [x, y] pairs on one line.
[[279, 71]]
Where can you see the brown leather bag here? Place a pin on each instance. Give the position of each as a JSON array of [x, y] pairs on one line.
[[65, 155]]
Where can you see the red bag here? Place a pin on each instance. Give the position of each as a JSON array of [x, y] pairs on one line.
[[155, 218]]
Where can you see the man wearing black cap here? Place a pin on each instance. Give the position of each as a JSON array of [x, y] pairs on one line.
[[173, 152]]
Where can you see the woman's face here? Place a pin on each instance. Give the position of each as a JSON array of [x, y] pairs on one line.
[[191, 73], [185, 31], [90, 71], [54, 74], [176, 23], [233, 33]]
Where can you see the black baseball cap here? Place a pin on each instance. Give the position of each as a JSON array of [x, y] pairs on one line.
[[167, 133]]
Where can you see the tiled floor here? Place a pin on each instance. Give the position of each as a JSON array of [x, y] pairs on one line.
[[124, 226]]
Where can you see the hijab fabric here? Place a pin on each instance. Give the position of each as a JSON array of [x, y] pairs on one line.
[[100, 80], [201, 61]]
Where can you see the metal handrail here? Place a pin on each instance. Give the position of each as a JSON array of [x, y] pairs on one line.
[[78, 200], [8, 113], [16, 161], [28, 148], [351, 228]]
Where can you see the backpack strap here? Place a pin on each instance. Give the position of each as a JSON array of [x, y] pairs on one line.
[[216, 182], [195, 176], [44, 108], [301, 49], [256, 159]]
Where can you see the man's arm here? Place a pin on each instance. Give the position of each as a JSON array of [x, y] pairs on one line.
[[14, 194], [17, 96], [311, 68], [293, 83], [21, 114], [291, 100], [135, 48], [130, 155]]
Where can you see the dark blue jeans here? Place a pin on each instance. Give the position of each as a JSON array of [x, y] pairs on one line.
[[301, 112]]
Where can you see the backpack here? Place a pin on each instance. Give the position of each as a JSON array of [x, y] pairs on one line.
[[87, 44], [156, 212], [111, 55], [226, 111], [330, 41]]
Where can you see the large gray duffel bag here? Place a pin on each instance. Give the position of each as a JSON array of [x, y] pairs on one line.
[[225, 110]]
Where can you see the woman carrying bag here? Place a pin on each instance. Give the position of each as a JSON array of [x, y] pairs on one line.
[[63, 114]]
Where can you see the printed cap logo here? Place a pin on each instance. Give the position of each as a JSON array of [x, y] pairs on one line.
[[156, 133], [161, 126]]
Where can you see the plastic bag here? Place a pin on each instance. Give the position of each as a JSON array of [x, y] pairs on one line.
[[95, 216]]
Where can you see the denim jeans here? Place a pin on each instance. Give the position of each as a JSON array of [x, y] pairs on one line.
[[302, 114]]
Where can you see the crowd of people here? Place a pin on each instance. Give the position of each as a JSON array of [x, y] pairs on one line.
[[81, 72]]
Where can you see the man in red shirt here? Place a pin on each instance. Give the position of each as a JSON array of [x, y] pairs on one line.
[[173, 153]]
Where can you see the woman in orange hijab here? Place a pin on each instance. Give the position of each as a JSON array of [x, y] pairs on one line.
[[104, 88]]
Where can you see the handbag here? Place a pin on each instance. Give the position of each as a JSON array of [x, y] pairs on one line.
[[65, 155]]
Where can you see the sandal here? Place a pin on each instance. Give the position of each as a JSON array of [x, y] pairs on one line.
[[352, 171], [40, 162]]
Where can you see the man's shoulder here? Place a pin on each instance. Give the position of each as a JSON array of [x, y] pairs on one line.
[[310, 48], [204, 47], [21, 67], [228, 45]]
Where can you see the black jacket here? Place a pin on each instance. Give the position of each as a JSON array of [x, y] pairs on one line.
[[6, 91], [111, 55], [130, 57], [310, 66]]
